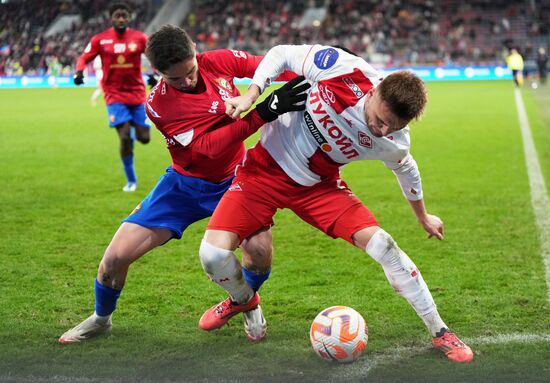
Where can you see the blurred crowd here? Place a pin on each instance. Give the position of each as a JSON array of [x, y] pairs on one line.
[[24, 48], [386, 33]]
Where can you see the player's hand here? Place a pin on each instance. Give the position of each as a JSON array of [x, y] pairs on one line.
[[78, 78], [288, 98], [151, 80], [433, 226], [237, 105]]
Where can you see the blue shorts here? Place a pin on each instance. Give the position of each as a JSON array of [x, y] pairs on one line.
[[177, 201], [121, 113]]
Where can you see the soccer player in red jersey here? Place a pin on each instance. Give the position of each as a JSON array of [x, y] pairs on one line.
[[120, 49], [187, 106], [351, 114]]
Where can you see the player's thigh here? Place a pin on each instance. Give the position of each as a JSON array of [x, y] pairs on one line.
[[131, 241], [334, 209], [240, 212], [175, 203]]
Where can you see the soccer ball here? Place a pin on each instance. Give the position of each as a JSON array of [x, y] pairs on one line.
[[339, 333]]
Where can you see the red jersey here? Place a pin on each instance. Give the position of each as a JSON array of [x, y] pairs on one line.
[[203, 141], [120, 54]]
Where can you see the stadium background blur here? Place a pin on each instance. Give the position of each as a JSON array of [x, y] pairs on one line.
[[36, 34]]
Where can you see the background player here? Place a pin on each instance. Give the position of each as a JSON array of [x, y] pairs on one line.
[[350, 115], [120, 49], [187, 106]]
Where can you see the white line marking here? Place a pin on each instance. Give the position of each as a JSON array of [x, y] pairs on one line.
[[539, 194], [361, 369]]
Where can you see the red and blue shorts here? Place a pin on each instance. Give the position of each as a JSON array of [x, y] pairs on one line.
[[261, 187]]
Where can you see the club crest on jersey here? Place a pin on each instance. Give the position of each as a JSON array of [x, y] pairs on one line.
[[132, 47], [325, 58], [353, 86], [365, 140], [225, 84]]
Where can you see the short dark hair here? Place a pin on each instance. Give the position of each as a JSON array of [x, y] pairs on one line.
[[116, 6], [405, 94], [168, 46]]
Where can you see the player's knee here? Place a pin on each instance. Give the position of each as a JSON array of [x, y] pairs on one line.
[[114, 262], [213, 257], [144, 137], [382, 248]]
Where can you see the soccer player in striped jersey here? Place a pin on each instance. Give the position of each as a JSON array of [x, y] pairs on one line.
[[187, 107], [351, 114]]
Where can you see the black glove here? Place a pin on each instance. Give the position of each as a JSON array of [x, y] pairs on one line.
[[283, 100], [151, 80], [78, 78]]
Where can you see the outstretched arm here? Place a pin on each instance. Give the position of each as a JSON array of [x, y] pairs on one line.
[[432, 224], [408, 176]]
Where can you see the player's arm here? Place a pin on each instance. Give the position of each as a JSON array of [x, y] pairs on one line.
[[90, 52], [408, 176], [268, 69], [288, 98]]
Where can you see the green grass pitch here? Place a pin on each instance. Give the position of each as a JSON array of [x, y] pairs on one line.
[[61, 202]]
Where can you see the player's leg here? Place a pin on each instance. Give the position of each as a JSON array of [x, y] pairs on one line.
[[95, 96], [139, 122], [120, 118], [130, 242], [164, 214], [223, 268], [127, 156], [231, 222], [335, 210], [257, 254], [408, 282]]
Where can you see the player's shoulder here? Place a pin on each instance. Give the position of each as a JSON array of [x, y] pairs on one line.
[[339, 59], [401, 138], [136, 33]]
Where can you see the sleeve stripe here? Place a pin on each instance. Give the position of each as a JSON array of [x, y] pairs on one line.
[[305, 58]]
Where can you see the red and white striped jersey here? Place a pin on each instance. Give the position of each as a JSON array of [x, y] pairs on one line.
[[313, 145]]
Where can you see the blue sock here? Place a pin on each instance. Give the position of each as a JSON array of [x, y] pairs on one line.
[[254, 280], [128, 163], [105, 299]]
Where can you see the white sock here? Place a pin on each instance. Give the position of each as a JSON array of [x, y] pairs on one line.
[[223, 268], [405, 278], [433, 322]]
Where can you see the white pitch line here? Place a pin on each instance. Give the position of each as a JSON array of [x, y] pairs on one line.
[[359, 369], [539, 194], [362, 369]]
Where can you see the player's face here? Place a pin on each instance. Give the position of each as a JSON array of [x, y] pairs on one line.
[[183, 75], [120, 19], [381, 121]]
